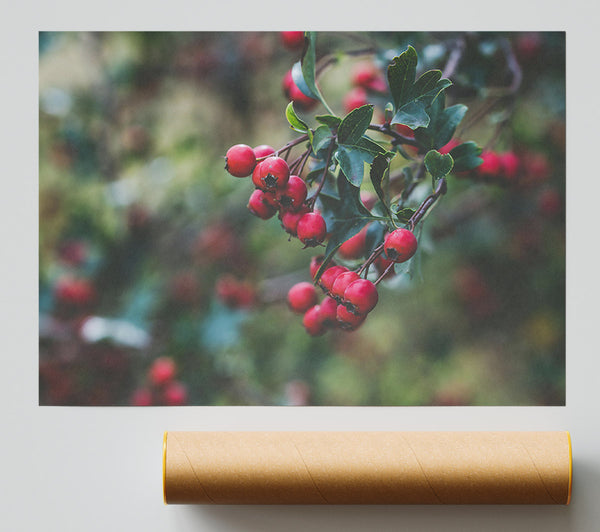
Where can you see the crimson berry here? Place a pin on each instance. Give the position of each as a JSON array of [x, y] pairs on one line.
[[75, 291], [490, 166], [264, 150], [270, 198], [162, 371], [240, 160], [364, 73], [447, 148], [271, 174], [293, 93], [509, 164], [341, 283], [301, 297], [404, 130], [328, 311], [356, 97], [348, 321], [329, 276], [293, 195], [175, 394], [313, 321], [361, 296], [354, 247], [290, 219], [400, 245], [311, 229], [292, 40], [258, 206]]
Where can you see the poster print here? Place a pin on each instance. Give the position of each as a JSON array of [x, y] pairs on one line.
[[416, 255]]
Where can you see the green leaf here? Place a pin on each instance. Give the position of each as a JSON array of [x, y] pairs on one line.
[[331, 121], [354, 124], [368, 145], [412, 114], [438, 165], [380, 169], [426, 82], [308, 62], [295, 123], [446, 124], [466, 156], [321, 138], [298, 77], [374, 237], [352, 163], [402, 215], [401, 75]]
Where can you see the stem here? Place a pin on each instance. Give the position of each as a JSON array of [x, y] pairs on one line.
[[427, 203], [387, 269], [298, 160], [454, 58], [290, 145], [376, 252], [398, 138]]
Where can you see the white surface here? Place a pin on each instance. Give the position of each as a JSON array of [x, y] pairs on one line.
[[99, 469]]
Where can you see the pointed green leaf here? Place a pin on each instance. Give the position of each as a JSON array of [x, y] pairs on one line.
[[380, 169], [446, 125], [308, 62], [368, 145], [331, 121], [466, 156], [295, 123], [401, 75], [438, 165], [298, 77], [354, 124], [321, 138], [412, 115], [352, 163], [426, 82]]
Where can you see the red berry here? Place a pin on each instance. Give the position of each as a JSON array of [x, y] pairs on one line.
[[162, 371], [361, 296], [355, 246], [240, 160], [313, 321], [234, 293], [270, 198], [364, 73], [509, 164], [175, 394], [447, 148], [328, 311], [293, 195], [404, 130], [301, 297], [264, 150], [400, 245], [290, 219], [74, 291], [141, 397], [293, 93], [348, 321], [490, 167], [356, 97], [273, 173], [341, 283], [311, 229], [329, 276], [292, 40], [368, 199], [258, 205]]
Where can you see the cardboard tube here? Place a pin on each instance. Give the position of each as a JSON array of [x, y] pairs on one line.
[[367, 467]]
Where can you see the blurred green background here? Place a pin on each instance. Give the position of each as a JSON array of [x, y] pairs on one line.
[[148, 252]]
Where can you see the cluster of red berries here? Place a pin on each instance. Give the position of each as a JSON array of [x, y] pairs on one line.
[[348, 297], [74, 292], [277, 192], [366, 79], [507, 167], [162, 387]]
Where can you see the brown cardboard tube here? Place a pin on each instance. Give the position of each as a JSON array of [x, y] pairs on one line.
[[367, 467]]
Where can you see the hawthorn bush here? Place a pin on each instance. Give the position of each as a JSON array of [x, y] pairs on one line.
[[388, 229]]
